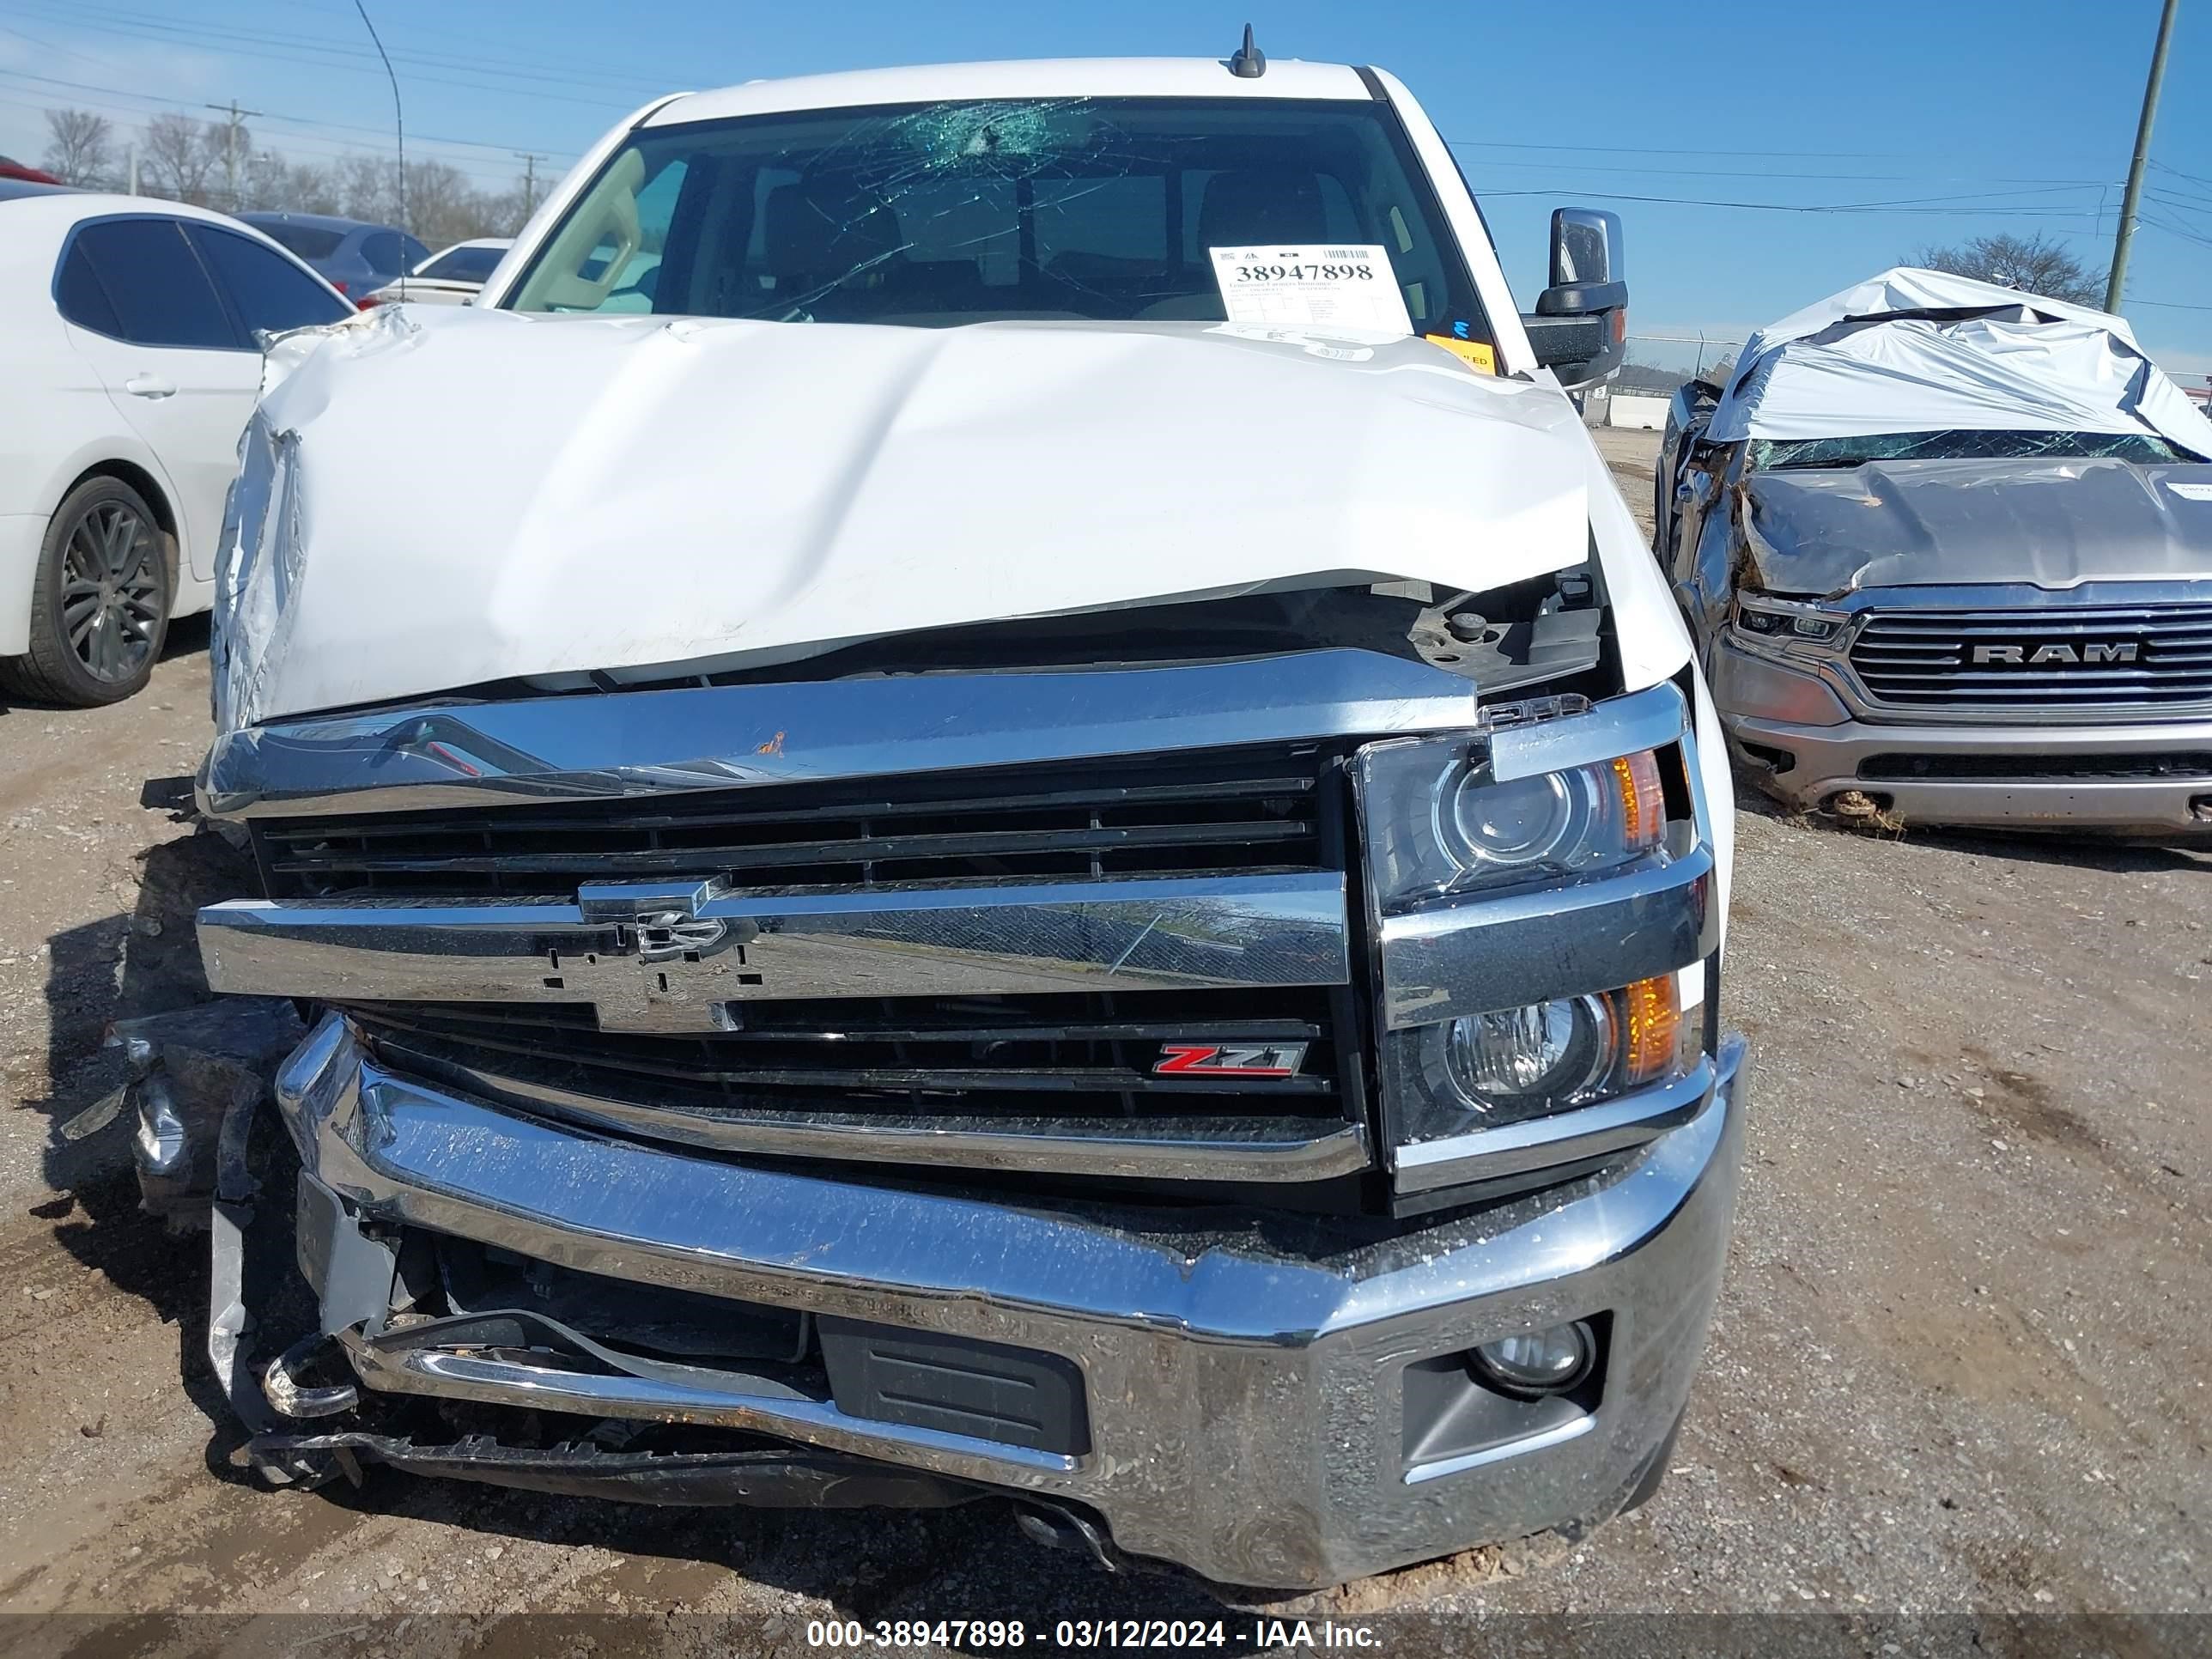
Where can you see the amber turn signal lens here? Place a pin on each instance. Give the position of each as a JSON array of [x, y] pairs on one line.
[[1651, 1028], [1643, 803]]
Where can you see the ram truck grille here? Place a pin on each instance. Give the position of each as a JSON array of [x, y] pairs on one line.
[[2065, 658]]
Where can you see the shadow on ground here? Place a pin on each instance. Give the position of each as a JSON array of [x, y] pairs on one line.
[[186, 636], [118, 968]]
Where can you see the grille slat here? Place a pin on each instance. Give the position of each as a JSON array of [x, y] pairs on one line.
[[1022, 1056], [2036, 768], [1923, 659], [324, 857]]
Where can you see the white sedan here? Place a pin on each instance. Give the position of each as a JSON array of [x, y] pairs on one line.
[[128, 367], [449, 278]]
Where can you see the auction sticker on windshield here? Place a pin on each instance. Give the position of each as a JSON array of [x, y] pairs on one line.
[[1346, 289]]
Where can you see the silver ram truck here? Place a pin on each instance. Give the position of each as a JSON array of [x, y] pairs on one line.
[[1946, 549], [998, 805]]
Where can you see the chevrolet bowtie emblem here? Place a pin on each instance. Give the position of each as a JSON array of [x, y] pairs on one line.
[[666, 968]]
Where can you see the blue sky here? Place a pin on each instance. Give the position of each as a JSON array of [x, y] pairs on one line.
[[2019, 115]]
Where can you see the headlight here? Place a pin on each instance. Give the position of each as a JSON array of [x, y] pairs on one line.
[[1486, 1070], [1454, 851], [1779, 619], [1438, 822]]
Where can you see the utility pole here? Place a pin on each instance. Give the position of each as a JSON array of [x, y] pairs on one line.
[[530, 159], [230, 147], [2126, 231], [133, 153]]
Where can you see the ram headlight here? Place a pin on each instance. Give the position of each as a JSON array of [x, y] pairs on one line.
[[1782, 621], [1437, 821]]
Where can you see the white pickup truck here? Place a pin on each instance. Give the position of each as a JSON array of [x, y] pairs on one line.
[[1000, 805]]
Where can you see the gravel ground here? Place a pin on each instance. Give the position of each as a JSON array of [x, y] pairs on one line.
[[1957, 1388]]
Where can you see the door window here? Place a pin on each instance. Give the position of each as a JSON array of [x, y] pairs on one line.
[[159, 292], [79, 294], [308, 241], [266, 290]]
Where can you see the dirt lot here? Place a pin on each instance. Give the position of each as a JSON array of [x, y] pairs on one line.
[[1960, 1367]]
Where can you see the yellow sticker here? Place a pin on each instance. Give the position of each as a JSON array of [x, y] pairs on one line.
[[1478, 357]]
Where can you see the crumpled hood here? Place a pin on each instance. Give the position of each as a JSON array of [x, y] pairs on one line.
[[439, 499], [2056, 522]]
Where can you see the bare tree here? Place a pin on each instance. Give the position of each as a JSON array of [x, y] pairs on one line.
[[181, 156], [185, 158], [274, 185], [80, 149], [439, 203], [368, 187], [2034, 265]]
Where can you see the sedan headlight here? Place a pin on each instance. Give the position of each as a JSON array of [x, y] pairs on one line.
[[1439, 822]]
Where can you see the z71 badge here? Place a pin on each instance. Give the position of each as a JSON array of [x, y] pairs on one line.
[[1230, 1059]]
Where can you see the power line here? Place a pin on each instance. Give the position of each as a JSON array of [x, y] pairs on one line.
[[529, 160], [1904, 205], [308, 148], [2169, 305], [317, 55], [231, 129], [1725, 172], [2183, 232], [292, 120]]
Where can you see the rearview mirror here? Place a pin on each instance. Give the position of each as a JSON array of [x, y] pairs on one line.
[[1579, 329]]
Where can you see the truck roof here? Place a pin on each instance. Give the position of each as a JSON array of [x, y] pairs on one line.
[[1062, 77]]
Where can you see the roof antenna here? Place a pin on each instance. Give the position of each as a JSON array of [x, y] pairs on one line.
[[1248, 63], [398, 119]]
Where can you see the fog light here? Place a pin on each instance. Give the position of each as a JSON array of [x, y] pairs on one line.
[[1538, 1362]]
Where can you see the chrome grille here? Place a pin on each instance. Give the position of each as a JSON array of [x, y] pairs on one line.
[[2069, 658], [1152, 815], [1057, 1080]]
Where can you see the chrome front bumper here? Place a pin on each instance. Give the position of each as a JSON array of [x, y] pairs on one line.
[[1245, 1395], [1767, 706], [1829, 759]]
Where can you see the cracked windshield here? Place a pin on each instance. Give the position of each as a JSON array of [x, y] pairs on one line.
[[941, 214]]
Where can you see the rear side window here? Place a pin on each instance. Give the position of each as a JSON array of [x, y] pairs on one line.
[[155, 284], [464, 264], [413, 251], [266, 290], [308, 241], [79, 294], [381, 249]]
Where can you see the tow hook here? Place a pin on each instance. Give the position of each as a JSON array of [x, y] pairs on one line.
[[1060, 1528], [281, 1388]]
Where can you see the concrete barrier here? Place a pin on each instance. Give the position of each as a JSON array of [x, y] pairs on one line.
[[1628, 408]]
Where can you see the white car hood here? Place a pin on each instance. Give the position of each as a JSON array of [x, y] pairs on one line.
[[432, 501]]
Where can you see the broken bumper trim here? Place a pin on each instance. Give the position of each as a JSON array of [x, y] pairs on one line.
[[1247, 1395], [797, 1478]]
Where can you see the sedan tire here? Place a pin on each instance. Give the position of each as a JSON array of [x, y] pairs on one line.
[[100, 602]]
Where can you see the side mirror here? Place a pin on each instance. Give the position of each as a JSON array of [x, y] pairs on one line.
[[1580, 326]]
